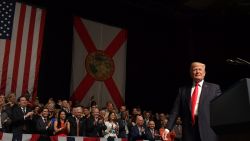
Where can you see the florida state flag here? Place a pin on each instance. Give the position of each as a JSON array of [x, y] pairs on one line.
[[98, 63]]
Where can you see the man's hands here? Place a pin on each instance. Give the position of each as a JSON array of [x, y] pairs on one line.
[[29, 114]]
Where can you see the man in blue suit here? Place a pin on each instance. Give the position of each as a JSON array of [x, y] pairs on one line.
[[193, 106], [138, 132]]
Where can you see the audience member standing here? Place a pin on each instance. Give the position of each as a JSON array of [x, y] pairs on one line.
[[61, 124], [43, 125], [138, 131], [77, 123], [178, 129], [151, 133], [112, 126], [5, 120], [21, 119]]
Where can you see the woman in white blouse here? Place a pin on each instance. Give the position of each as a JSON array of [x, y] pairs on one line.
[[112, 126]]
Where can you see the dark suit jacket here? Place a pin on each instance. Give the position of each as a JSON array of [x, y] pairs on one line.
[[150, 136], [122, 129], [94, 130], [19, 124], [6, 121], [135, 135], [41, 126], [182, 107], [73, 126], [41, 129]]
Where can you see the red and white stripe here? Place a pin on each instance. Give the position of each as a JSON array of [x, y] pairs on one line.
[[35, 137], [20, 56]]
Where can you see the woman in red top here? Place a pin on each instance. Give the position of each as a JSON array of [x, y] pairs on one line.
[[61, 124]]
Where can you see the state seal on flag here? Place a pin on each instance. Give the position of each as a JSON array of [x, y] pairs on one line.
[[99, 65]]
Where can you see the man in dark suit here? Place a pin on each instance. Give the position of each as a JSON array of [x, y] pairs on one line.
[[138, 132], [95, 126], [43, 125], [151, 133], [193, 105], [77, 122], [21, 119]]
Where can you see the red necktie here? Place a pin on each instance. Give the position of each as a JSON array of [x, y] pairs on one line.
[[77, 127], [194, 99]]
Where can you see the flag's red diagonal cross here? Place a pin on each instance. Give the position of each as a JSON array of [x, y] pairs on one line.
[[83, 88], [111, 49], [84, 35], [114, 92], [117, 42]]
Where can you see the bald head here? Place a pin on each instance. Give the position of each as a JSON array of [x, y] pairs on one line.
[[139, 120]]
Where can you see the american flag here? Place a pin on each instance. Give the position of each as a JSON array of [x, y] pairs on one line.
[[21, 38]]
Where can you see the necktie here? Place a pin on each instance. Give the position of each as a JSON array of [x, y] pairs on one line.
[[24, 125], [96, 121], [126, 127], [77, 127], [140, 129], [194, 99], [153, 133], [23, 109], [45, 121]]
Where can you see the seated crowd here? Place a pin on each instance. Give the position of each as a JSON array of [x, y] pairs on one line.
[[61, 118]]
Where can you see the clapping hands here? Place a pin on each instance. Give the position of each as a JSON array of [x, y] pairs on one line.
[[168, 136]]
